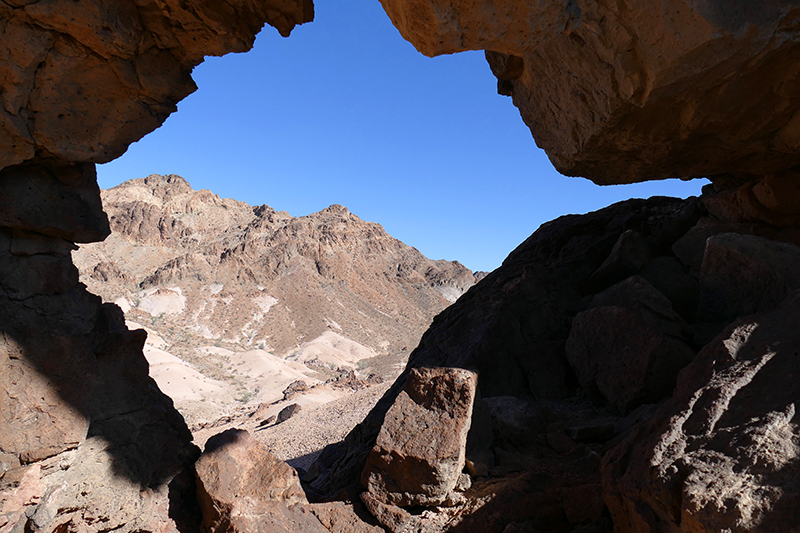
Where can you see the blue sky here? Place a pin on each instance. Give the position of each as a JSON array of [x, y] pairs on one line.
[[345, 111]]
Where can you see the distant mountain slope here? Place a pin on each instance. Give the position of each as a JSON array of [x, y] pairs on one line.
[[327, 289]]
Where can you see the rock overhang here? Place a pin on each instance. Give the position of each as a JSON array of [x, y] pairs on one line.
[[623, 92]]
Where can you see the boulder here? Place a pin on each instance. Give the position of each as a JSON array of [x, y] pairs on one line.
[[743, 274], [592, 78], [239, 482], [629, 254], [675, 281], [288, 412], [629, 348], [420, 450], [721, 454]]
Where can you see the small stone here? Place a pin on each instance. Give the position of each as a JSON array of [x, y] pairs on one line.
[[464, 482], [288, 412]]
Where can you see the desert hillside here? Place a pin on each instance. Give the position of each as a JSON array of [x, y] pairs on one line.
[[239, 301]]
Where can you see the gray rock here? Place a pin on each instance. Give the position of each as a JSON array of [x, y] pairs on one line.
[[288, 412]]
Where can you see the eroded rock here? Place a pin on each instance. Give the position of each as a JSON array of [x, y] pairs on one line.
[[83, 80], [239, 482], [717, 78], [743, 274], [629, 347], [722, 454], [420, 451]]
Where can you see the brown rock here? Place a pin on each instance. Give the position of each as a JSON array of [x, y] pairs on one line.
[[392, 517], [420, 450], [630, 351], [59, 201], [715, 79], [83, 80], [294, 388], [106, 271], [773, 199], [629, 254], [743, 274], [721, 454], [340, 517], [237, 477]]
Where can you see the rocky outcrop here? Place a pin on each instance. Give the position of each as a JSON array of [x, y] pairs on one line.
[[88, 441], [107, 448], [83, 80], [238, 480], [591, 79], [629, 345], [614, 91], [512, 327], [722, 454]]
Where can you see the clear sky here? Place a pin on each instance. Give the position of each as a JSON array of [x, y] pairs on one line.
[[346, 112]]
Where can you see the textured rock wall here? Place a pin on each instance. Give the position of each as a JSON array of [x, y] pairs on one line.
[[87, 441], [626, 91], [83, 80], [649, 343]]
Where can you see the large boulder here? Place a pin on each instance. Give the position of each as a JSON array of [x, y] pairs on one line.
[[242, 487], [722, 454], [591, 79], [419, 454], [629, 347], [743, 274]]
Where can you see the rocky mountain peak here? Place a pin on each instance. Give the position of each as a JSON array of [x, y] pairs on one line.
[[220, 270]]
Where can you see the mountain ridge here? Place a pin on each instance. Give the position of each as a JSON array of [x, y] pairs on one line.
[[212, 277]]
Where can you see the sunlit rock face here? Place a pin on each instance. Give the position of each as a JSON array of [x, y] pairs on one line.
[[83, 80], [634, 90]]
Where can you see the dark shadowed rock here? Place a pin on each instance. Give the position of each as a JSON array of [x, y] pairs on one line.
[[629, 254], [722, 454], [743, 274], [420, 450], [513, 325], [288, 412], [674, 280], [629, 348]]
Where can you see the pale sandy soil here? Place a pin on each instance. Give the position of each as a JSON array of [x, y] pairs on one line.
[[328, 411], [299, 440]]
